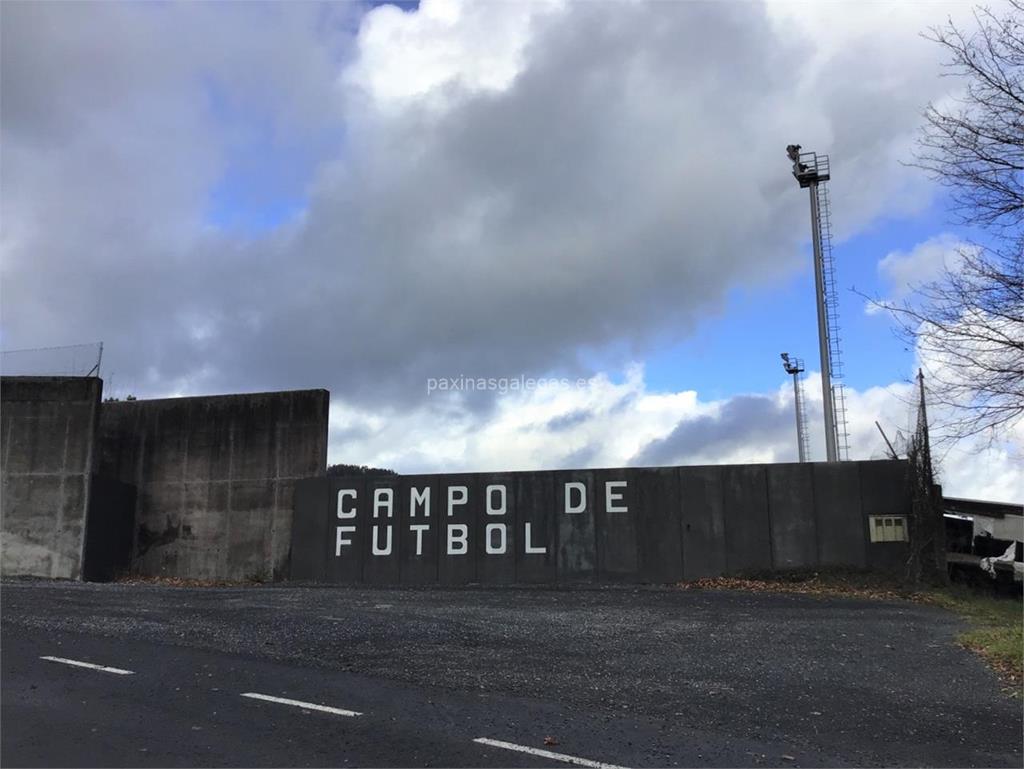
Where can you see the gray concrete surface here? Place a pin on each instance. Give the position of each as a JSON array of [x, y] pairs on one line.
[[214, 478], [47, 431], [630, 676]]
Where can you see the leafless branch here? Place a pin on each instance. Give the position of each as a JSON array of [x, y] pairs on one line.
[[968, 325]]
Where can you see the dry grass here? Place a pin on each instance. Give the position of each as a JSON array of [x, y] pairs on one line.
[[997, 631]]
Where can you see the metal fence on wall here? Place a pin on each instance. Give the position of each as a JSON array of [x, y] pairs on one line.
[[65, 360]]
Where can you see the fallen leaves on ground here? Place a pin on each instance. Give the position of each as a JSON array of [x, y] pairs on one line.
[[181, 582], [810, 585]]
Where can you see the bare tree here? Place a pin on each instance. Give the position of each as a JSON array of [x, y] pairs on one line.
[[975, 147], [968, 324], [969, 329], [926, 561]]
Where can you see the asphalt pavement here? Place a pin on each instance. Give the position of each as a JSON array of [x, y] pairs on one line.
[[595, 677]]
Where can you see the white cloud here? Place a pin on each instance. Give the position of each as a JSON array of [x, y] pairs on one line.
[[605, 424], [442, 49], [515, 182], [903, 271]]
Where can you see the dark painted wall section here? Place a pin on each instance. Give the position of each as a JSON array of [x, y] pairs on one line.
[[48, 430], [574, 525], [497, 538], [881, 486], [841, 528], [347, 531], [648, 524], [460, 500], [312, 535], [659, 528], [748, 545], [418, 539], [536, 557], [703, 522], [794, 527], [618, 556], [214, 478], [108, 537]]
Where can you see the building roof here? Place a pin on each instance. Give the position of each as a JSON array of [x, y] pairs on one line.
[[980, 507]]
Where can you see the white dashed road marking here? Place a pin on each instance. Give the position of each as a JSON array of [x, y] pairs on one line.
[[80, 664], [301, 704], [546, 754]]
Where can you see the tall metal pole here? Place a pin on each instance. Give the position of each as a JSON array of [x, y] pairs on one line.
[[797, 401], [831, 455]]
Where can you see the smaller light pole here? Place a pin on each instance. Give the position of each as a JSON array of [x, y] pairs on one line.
[[795, 367]]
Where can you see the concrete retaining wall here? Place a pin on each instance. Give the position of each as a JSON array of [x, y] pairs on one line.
[[48, 430], [220, 488], [648, 524], [214, 478]]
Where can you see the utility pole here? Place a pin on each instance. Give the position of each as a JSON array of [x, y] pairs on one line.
[[795, 367], [812, 172]]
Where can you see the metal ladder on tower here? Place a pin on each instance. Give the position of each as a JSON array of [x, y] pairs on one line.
[[832, 317], [801, 405]]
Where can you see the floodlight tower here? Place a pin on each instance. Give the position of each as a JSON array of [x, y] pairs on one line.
[[795, 367], [811, 171]]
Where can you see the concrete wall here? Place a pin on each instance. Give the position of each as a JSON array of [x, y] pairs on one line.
[[206, 488], [48, 429], [214, 478], [647, 524]]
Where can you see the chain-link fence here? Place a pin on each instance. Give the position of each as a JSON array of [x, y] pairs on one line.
[[67, 360]]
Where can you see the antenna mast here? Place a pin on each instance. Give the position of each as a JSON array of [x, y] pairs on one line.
[[812, 172]]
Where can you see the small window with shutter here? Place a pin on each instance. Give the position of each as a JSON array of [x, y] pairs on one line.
[[888, 528]]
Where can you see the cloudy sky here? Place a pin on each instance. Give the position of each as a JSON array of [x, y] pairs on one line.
[[371, 198]]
